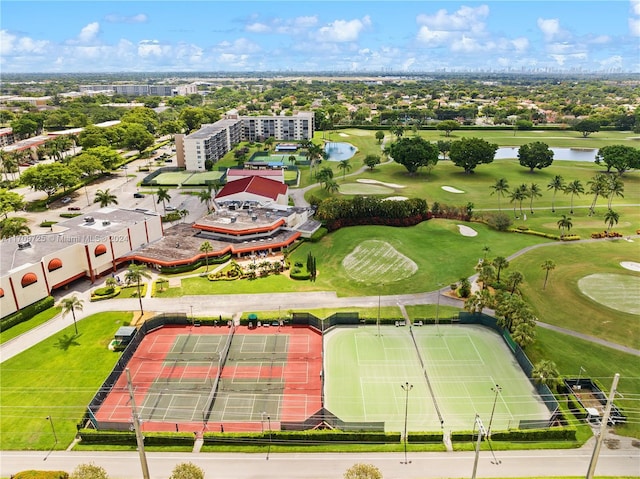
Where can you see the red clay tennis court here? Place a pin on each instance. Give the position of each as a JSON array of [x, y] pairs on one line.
[[199, 378]]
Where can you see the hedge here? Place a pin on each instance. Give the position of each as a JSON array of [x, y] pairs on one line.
[[92, 436], [26, 313], [33, 474], [185, 268], [95, 296], [310, 437], [318, 235], [423, 437], [567, 433]]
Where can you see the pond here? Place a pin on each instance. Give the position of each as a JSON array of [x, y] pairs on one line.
[[566, 154], [338, 151]]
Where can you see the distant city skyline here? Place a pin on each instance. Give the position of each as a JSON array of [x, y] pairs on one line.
[[320, 36]]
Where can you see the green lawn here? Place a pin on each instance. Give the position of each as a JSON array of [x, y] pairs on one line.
[[25, 326], [56, 378]]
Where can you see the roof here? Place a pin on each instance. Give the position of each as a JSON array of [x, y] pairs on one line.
[[232, 172], [256, 185], [125, 331]]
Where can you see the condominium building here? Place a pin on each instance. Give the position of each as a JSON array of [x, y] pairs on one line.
[[144, 90]]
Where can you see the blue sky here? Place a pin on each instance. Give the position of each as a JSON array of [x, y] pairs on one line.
[[358, 36]]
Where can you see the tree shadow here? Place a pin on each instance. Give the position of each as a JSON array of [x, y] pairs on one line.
[[66, 341]]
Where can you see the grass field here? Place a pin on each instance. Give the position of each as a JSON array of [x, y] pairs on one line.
[[56, 378], [463, 364], [25, 326]]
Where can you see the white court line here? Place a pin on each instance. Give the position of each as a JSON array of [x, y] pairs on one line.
[[477, 352]]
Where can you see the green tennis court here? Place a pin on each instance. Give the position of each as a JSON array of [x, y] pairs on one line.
[[364, 374]]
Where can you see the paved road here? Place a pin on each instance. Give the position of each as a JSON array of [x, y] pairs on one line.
[[624, 461]]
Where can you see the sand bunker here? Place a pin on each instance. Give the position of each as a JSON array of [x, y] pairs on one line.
[[397, 198], [390, 185], [342, 134], [451, 189], [466, 231], [632, 265]]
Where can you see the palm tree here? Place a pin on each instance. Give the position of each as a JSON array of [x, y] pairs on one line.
[[518, 195], [598, 185], [500, 263], [163, 196], [331, 186], [556, 184], [478, 301], [205, 197], [206, 248], [105, 198], [500, 187], [134, 274], [575, 188], [14, 226], [345, 166], [611, 218], [616, 188], [547, 265], [546, 372], [564, 222], [514, 279], [69, 305], [533, 192]]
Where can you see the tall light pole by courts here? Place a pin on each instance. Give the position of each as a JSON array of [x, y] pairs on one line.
[[497, 390], [406, 387], [269, 446]]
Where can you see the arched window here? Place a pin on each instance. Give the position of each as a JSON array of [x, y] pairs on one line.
[[28, 279], [54, 264], [1, 292], [100, 250]]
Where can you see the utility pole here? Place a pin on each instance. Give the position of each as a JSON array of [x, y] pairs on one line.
[[497, 390], [136, 426], [406, 388], [603, 428], [481, 432]]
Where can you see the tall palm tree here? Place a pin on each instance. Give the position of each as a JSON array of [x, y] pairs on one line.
[[564, 223], [105, 198], [576, 189], [69, 305], [134, 274], [14, 226], [611, 218], [518, 195], [546, 372], [206, 248], [500, 263], [598, 186], [514, 279], [331, 186], [533, 192], [205, 197], [547, 265], [616, 188], [163, 196], [556, 184], [500, 187], [345, 166]]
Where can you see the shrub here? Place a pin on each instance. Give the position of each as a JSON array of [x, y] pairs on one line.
[[33, 474], [47, 224], [499, 221], [69, 215], [102, 293], [187, 470], [26, 313], [318, 235], [89, 471]]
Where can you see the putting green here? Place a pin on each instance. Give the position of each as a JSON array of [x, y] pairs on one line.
[[616, 291], [378, 262], [365, 189]]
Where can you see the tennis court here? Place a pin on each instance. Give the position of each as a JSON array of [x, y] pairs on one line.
[[176, 178], [462, 366], [195, 378]]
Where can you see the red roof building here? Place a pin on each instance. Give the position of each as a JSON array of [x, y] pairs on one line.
[[262, 191]]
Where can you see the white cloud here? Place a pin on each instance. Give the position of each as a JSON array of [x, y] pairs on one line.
[[433, 37], [280, 26], [89, 33], [467, 44], [613, 61], [635, 7], [550, 28], [600, 40], [407, 63], [464, 19], [258, 28], [11, 44], [520, 44], [634, 27], [115, 18], [341, 31], [151, 48]]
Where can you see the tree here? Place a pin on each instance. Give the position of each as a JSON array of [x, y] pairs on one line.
[[448, 126], [598, 186], [49, 178], [14, 226], [24, 127], [564, 223], [611, 218], [105, 198], [10, 164], [187, 470], [206, 248], [137, 137], [533, 192], [134, 274], [69, 305], [398, 130], [547, 265], [500, 188], [371, 161], [615, 187], [414, 153], [468, 153], [443, 147], [621, 157], [379, 136], [518, 196], [87, 164], [535, 155], [331, 186], [478, 301], [363, 471], [500, 263], [163, 197], [546, 372], [556, 184], [89, 471], [10, 201], [205, 197], [576, 189], [586, 127], [513, 280], [192, 118], [109, 157], [345, 166]]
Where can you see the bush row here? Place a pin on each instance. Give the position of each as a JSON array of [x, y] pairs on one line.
[[301, 437], [567, 433], [26, 313], [105, 293], [33, 474], [185, 268], [92, 436]]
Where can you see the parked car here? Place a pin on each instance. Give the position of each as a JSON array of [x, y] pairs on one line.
[[74, 208], [66, 200], [170, 208], [138, 195]]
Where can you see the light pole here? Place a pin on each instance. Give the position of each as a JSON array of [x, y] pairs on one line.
[[438, 310], [497, 390], [262, 414], [269, 446], [55, 437], [406, 387], [86, 193], [378, 320]]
